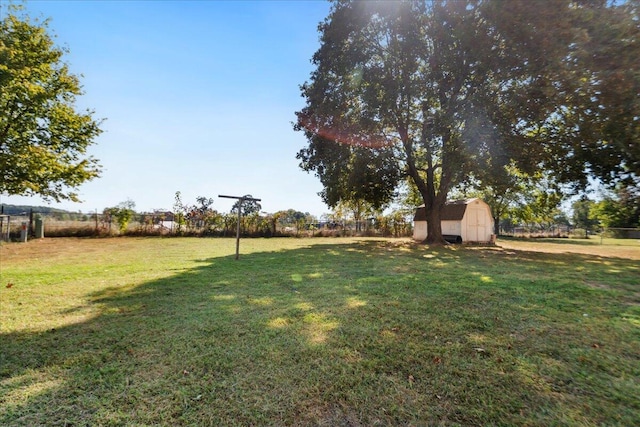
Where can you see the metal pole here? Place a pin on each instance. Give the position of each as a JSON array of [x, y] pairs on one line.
[[241, 201], [238, 229]]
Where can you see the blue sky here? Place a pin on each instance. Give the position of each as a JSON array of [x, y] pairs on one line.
[[198, 97]]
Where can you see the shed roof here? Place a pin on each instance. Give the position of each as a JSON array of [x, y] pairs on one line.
[[452, 211]]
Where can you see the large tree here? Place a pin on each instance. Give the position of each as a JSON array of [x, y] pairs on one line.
[[43, 137], [456, 88]]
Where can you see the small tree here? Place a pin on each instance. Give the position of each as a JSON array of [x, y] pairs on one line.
[[123, 213], [200, 215], [43, 138], [583, 215], [179, 212]]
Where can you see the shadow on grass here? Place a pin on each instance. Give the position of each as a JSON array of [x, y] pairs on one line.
[[356, 334]]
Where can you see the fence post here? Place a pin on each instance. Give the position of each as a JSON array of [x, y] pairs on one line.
[[23, 232], [39, 230]]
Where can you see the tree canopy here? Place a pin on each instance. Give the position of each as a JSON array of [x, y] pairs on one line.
[[618, 209], [447, 90], [43, 137], [351, 173]]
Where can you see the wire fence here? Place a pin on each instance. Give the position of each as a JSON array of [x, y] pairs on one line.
[[602, 234], [621, 233]]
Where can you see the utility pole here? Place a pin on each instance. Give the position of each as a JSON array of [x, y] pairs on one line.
[[242, 199]]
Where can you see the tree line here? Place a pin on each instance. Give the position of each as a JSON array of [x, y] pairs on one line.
[[536, 208]]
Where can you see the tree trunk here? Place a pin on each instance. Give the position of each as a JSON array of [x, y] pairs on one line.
[[496, 225], [274, 222], [434, 227]]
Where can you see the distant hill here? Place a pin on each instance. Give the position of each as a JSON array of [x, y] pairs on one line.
[[24, 209]]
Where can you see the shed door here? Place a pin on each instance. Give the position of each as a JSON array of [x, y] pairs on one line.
[[476, 224]]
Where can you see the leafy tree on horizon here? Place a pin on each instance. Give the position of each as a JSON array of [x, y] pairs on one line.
[[582, 216], [43, 137], [460, 89], [249, 207]]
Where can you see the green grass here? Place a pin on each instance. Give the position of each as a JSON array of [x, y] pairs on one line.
[[323, 332]]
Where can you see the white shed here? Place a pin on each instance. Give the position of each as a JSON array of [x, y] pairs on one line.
[[462, 221]]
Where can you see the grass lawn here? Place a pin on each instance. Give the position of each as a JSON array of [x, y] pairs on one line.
[[327, 332]]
